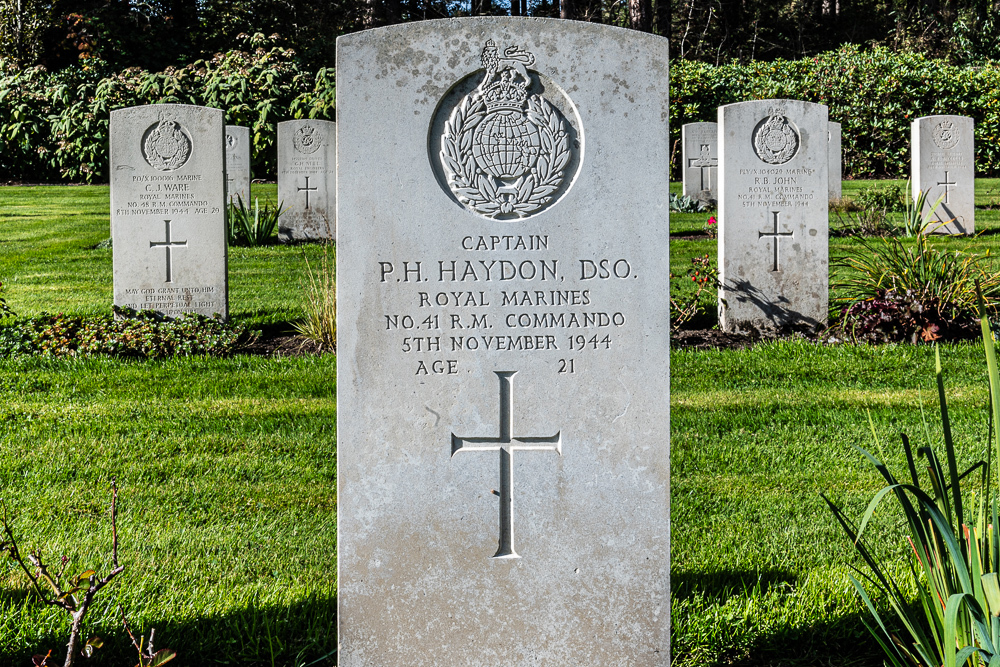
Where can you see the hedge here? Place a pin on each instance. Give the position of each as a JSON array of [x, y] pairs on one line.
[[874, 93], [54, 125]]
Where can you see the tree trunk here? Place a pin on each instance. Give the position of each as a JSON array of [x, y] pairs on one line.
[[567, 10], [640, 15]]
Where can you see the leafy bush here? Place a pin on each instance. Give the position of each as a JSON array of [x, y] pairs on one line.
[[867, 222], [55, 125], [135, 334], [686, 305], [956, 550], [874, 93], [886, 198], [893, 316], [251, 227]]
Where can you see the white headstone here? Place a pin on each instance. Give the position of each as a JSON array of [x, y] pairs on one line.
[[700, 152], [307, 170], [773, 227], [836, 162], [503, 458], [237, 164], [943, 166], [168, 223]]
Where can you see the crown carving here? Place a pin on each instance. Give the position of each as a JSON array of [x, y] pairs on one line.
[[506, 93]]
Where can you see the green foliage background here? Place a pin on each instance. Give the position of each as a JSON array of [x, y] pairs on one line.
[[54, 125], [874, 93]]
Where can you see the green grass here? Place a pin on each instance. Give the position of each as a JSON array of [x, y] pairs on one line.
[[227, 468]]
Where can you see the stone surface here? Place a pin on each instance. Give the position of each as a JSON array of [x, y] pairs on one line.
[[943, 165], [238, 164], [168, 222], [773, 227], [503, 459], [307, 170], [836, 162], [700, 152]]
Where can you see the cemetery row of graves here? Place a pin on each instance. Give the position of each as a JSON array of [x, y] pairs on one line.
[[505, 383]]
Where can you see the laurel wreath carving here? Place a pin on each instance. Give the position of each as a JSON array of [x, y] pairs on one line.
[[170, 162], [765, 152], [478, 190]]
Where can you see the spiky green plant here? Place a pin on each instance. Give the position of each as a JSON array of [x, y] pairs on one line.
[[252, 226], [320, 322], [956, 551]]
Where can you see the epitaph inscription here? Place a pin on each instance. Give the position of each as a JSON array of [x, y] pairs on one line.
[[564, 478], [167, 209]]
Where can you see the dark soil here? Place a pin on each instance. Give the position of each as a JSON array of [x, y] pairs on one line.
[[715, 339], [277, 341]]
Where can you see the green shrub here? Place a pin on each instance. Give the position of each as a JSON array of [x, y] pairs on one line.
[[133, 334], [55, 125], [888, 198], [874, 93]]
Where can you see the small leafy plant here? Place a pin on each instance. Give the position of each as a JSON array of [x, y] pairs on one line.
[[915, 221], [685, 204], [955, 544], [711, 227], [866, 222], [252, 226], [888, 198], [320, 323]]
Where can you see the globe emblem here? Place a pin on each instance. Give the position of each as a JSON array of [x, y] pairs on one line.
[[168, 145], [776, 141], [506, 145]]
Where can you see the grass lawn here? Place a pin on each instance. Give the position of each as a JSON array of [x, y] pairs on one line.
[[226, 467]]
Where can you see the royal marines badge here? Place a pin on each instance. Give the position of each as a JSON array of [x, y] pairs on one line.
[[774, 139], [166, 145], [506, 149]]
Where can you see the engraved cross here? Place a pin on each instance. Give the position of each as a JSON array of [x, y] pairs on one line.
[[777, 235], [946, 183], [506, 444], [167, 245], [704, 162], [307, 190]]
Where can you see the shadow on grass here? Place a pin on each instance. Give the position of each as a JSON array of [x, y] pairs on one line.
[[301, 635], [718, 627]]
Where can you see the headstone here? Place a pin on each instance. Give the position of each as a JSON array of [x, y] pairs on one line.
[[168, 220], [943, 166], [700, 152], [773, 226], [237, 164], [503, 387], [307, 170], [836, 165]]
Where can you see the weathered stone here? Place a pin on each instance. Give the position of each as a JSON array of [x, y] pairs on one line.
[[168, 223], [503, 385], [943, 165], [237, 164], [836, 162], [773, 226], [700, 152], [307, 170]]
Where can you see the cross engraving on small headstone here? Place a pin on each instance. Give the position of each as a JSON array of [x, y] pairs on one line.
[[776, 235], [704, 162], [307, 190], [506, 444], [946, 183], [166, 245]]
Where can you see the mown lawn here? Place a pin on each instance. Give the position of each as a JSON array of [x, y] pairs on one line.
[[227, 479], [226, 467]]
